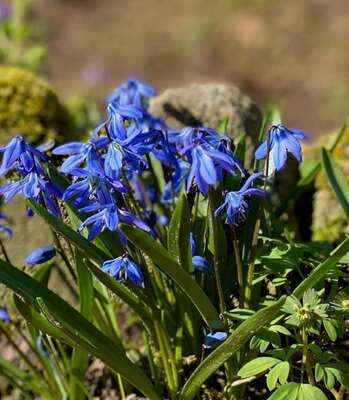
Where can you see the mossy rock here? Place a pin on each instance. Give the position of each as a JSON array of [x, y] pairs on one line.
[[329, 222], [29, 107]]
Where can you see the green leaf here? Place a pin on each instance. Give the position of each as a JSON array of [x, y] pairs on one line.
[[286, 392], [73, 328], [319, 372], [321, 270], [309, 392], [232, 344], [161, 257], [257, 366], [337, 180], [178, 241], [330, 330], [60, 227], [79, 360], [278, 373]]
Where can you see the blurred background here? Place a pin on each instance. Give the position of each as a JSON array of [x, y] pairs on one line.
[[292, 53]]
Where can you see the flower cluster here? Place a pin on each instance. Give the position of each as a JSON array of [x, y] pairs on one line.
[[110, 180]]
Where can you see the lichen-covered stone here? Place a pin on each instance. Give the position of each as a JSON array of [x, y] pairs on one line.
[[208, 105], [329, 222], [29, 107]]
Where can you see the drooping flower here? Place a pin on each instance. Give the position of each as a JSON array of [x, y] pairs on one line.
[[80, 153], [235, 202], [282, 141], [20, 155], [4, 315], [214, 339], [207, 167], [41, 255], [132, 92], [108, 217], [6, 230], [199, 263], [123, 269]]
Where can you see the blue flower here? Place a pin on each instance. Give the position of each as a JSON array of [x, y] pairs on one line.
[[174, 186], [4, 316], [199, 263], [202, 265], [108, 217], [41, 255], [20, 155], [123, 269], [34, 187], [132, 92], [80, 153], [4, 228], [212, 340], [207, 167], [235, 202], [282, 141]]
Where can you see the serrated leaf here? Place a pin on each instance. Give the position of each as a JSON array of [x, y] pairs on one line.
[[330, 330], [257, 366], [233, 343], [309, 392], [286, 392], [319, 372], [278, 373]]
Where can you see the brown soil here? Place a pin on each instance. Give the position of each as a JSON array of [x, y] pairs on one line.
[[292, 52]]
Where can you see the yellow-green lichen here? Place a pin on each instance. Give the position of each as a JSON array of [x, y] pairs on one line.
[[29, 107]]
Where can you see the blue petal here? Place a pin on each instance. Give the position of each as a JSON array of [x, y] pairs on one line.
[[68, 149], [279, 154], [212, 340], [202, 265], [41, 255]]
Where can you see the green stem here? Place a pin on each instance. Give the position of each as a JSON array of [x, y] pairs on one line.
[[167, 359], [216, 262], [239, 268], [306, 364]]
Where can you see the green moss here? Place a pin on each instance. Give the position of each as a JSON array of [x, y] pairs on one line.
[[29, 107]]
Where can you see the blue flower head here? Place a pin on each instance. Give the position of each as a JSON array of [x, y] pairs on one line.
[[282, 141], [132, 92], [4, 315], [123, 269], [235, 202], [41, 255], [212, 340]]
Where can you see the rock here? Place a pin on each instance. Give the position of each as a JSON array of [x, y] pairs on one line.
[[208, 105], [329, 221]]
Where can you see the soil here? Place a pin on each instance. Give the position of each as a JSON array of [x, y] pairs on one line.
[[294, 53]]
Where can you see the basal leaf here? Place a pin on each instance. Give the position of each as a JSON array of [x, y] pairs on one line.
[[233, 343]]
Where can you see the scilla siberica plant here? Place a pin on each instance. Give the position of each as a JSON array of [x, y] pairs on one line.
[[175, 225]]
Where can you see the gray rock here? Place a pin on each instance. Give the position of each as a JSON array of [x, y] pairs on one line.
[[208, 105]]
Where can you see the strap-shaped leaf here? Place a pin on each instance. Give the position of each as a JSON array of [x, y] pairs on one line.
[[178, 242], [81, 332], [337, 180], [165, 261], [321, 270], [60, 227], [232, 344]]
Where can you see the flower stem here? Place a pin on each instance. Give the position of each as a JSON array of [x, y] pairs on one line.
[[216, 251], [239, 268], [306, 364]]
